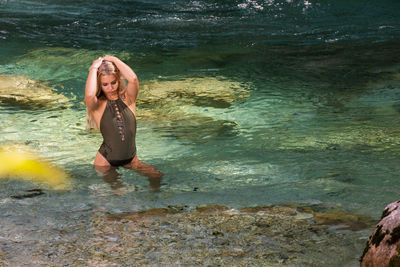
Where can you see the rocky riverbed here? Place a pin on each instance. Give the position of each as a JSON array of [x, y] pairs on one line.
[[203, 236]]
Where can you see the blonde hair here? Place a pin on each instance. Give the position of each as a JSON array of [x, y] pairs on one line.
[[106, 68]]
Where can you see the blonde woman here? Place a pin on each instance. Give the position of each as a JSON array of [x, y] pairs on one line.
[[110, 97]]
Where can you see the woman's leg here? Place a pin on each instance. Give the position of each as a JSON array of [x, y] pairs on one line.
[[108, 172], [110, 176], [150, 172], [99, 160]]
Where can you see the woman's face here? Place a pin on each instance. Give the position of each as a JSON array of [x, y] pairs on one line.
[[109, 85]]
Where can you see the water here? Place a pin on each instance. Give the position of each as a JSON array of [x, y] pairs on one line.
[[242, 103]]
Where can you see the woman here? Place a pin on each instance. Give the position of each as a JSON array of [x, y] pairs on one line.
[[111, 104]]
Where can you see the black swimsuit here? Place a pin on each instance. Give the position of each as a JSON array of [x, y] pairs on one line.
[[118, 127]]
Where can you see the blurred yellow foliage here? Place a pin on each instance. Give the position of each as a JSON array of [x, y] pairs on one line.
[[26, 166]]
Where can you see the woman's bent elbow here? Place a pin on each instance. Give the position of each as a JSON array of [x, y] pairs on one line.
[[132, 79]]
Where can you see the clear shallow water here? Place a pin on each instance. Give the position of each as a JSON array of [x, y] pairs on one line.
[[242, 103]]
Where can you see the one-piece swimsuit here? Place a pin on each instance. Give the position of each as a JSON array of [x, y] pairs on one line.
[[118, 127]]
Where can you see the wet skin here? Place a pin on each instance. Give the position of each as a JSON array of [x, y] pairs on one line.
[[109, 86]]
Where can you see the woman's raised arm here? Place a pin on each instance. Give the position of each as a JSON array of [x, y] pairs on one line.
[[91, 85], [132, 88]]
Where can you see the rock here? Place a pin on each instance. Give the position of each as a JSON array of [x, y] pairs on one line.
[[211, 208], [217, 92], [383, 246], [142, 215], [346, 221], [29, 94], [29, 194]]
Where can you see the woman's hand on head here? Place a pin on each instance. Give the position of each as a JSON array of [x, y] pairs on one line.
[[109, 58], [96, 64]]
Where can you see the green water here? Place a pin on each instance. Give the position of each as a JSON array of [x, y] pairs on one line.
[[242, 103]]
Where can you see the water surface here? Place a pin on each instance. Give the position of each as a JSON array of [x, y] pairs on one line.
[[242, 103]]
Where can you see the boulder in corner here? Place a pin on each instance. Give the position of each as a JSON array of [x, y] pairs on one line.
[[383, 246]]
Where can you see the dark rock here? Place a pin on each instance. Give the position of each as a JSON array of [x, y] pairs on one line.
[[31, 193], [217, 233], [383, 246]]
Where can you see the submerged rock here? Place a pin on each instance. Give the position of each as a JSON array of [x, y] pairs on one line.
[[346, 139], [383, 246], [185, 108], [145, 214], [212, 235], [342, 220], [29, 194], [217, 92], [338, 219], [220, 235], [29, 94]]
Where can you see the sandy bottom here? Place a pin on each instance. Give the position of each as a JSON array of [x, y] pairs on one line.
[[205, 236]]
